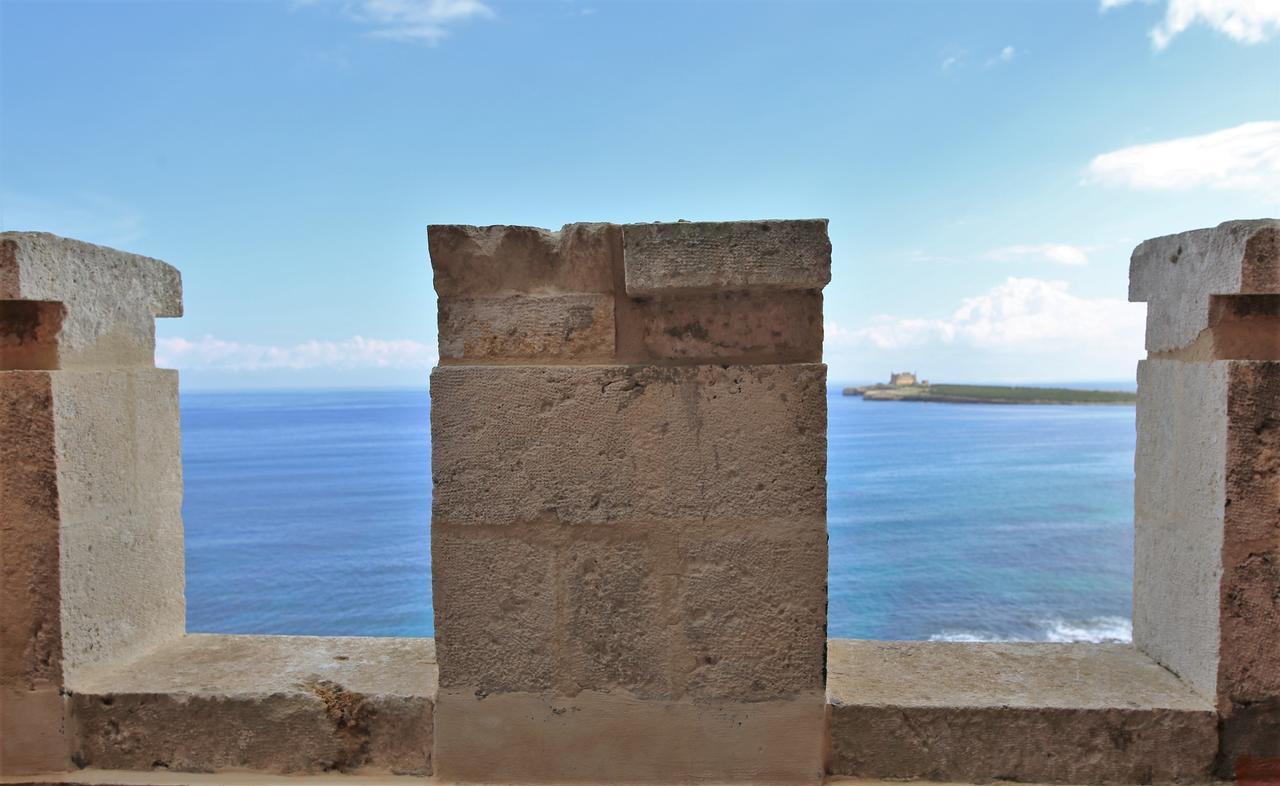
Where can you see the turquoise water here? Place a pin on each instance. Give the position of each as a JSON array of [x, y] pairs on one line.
[[309, 512]]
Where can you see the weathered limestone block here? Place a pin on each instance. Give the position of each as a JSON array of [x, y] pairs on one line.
[[615, 591], [753, 604], [536, 607], [721, 256], [551, 327], [594, 445], [111, 298], [504, 260], [1244, 327], [741, 327], [29, 334], [276, 704], [1176, 275], [30, 637], [1075, 713], [496, 618]]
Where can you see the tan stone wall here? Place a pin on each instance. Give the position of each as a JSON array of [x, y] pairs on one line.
[[1207, 504], [629, 513], [91, 558]]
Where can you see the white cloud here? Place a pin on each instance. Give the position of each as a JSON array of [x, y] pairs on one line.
[[1056, 253], [415, 21], [1246, 21], [214, 354], [1246, 157], [1020, 315], [1005, 55], [954, 59]]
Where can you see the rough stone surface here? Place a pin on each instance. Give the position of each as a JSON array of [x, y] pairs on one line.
[[699, 611], [495, 611], [1176, 275], [1179, 496], [554, 328], [281, 704], [96, 777], [29, 334], [112, 298], [30, 627], [33, 731], [740, 327], [593, 445], [1244, 327], [753, 605], [618, 602], [719, 256], [119, 477], [1249, 670], [1076, 713], [504, 260], [517, 737]]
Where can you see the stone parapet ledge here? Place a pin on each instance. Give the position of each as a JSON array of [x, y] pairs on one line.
[[1056, 713], [1207, 491], [267, 704]]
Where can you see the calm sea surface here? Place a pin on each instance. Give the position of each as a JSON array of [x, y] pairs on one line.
[[309, 512]]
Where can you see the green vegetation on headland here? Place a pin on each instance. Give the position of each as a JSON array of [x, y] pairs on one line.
[[989, 394]]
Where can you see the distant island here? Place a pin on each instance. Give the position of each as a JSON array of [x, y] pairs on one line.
[[904, 386]]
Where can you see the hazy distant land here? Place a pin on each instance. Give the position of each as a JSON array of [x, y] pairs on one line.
[[989, 394]]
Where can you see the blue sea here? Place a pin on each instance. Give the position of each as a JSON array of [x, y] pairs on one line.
[[309, 513]]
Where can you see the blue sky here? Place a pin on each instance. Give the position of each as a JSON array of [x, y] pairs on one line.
[[987, 167]]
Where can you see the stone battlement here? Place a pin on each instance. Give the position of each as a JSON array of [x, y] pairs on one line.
[[628, 541]]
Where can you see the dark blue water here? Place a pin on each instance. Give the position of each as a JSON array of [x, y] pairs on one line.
[[309, 512]]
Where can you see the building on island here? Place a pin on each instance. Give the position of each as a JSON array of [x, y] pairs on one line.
[[902, 378]]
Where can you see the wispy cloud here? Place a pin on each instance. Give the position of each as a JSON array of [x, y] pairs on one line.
[[1005, 55], [1246, 21], [1246, 157], [214, 354], [1020, 315], [414, 21], [955, 59], [1055, 253]]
